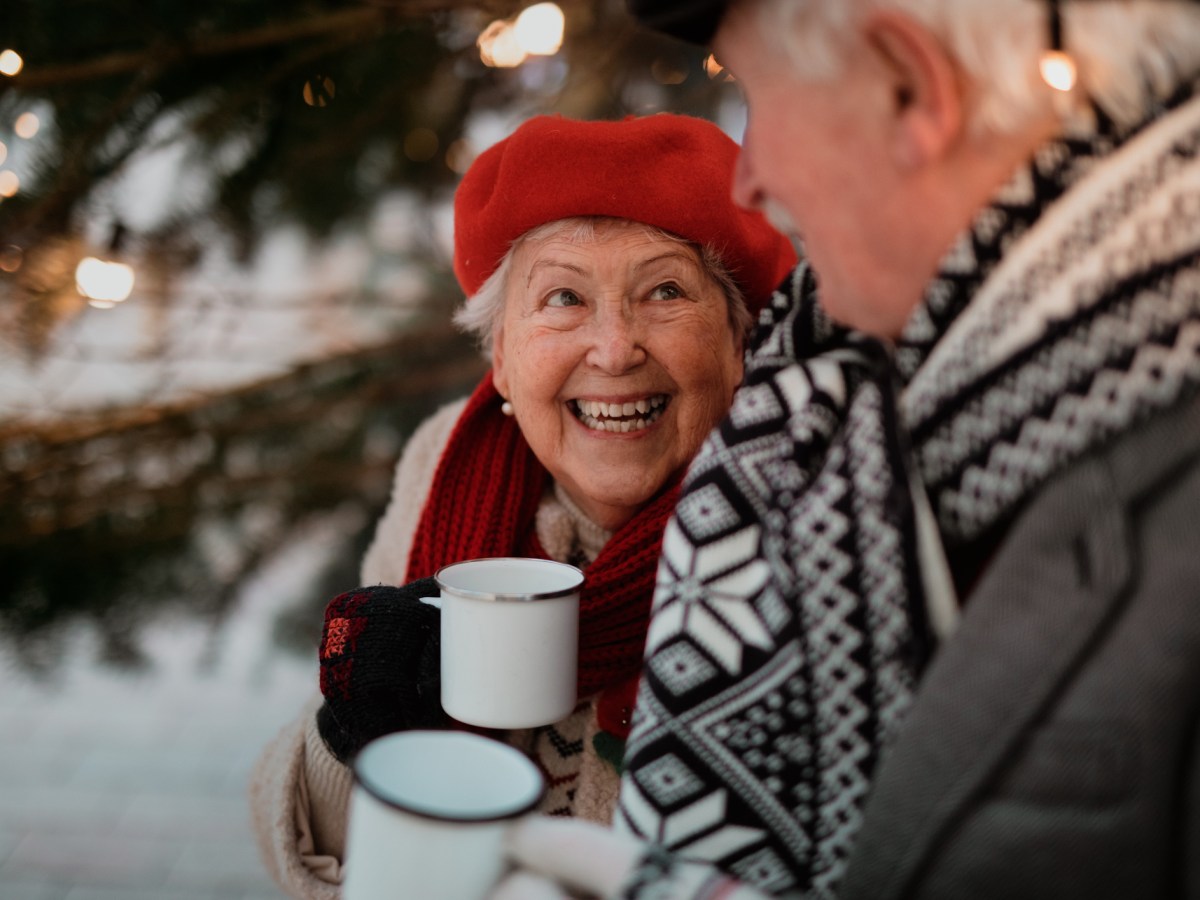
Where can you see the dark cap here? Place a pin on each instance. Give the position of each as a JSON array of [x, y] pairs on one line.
[[689, 20]]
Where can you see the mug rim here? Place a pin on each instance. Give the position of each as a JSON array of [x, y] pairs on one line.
[[510, 596], [380, 794]]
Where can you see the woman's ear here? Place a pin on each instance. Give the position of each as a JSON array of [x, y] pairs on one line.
[[928, 102], [499, 375]]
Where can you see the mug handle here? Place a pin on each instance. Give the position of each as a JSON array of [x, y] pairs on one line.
[[432, 601]]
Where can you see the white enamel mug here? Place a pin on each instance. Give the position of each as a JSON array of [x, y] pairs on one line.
[[510, 641], [429, 814]]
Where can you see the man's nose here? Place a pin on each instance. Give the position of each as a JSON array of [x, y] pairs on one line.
[[746, 190], [616, 342]]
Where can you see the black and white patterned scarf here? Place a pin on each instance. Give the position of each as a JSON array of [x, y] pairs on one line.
[[798, 591]]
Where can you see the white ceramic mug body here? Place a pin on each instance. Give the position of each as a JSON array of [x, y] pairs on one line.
[[510, 641], [429, 813]]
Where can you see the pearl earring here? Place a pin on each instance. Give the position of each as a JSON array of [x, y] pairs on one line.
[[506, 408]]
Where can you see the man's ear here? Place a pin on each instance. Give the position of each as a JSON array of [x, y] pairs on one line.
[[928, 94]]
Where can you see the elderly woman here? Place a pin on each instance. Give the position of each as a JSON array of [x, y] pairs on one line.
[[967, 656], [611, 282]]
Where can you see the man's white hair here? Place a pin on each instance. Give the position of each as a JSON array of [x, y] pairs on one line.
[[1130, 53], [480, 315]]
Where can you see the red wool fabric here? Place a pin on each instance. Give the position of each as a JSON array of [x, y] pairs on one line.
[[484, 497], [670, 171]]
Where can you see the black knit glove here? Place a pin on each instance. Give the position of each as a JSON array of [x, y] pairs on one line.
[[379, 665]]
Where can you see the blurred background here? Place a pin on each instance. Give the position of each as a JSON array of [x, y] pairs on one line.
[[225, 293]]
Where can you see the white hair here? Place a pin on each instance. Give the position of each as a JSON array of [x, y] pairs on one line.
[[480, 315], [1130, 54]]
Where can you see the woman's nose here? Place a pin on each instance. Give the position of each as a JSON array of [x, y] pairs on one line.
[[616, 344]]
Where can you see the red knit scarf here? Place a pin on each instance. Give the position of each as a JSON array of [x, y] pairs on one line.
[[485, 493]]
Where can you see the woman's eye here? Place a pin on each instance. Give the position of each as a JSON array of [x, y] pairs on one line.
[[563, 298], [666, 292]]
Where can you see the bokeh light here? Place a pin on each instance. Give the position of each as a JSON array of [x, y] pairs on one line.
[[421, 144], [459, 156], [319, 91], [103, 283], [666, 71], [11, 62], [1058, 70], [9, 183], [714, 69], [539, 29], [27, 125], [499, 47], [11, 257]]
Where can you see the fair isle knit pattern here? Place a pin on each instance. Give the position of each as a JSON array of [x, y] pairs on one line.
[[557, 750], [787, 633], [788, 630]]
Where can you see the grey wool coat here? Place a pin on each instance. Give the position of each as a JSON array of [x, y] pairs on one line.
[[1053, 749]]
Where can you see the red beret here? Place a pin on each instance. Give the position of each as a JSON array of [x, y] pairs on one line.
[[673, 172]]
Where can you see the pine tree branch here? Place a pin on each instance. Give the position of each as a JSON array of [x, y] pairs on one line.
[[364, 19]]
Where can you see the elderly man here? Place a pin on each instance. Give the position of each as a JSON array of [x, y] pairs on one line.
[[928, 613]]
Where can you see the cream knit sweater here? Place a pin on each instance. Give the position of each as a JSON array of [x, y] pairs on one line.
[[299, 793]]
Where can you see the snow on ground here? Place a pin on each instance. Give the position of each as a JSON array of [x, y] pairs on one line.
[[132, 785]]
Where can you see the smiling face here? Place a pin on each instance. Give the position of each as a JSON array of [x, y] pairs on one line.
[[618, 357]]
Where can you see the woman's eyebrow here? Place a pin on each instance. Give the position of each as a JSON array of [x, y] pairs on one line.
[[552, 264], [670, 254]]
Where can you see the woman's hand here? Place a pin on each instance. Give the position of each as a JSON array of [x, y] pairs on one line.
[[561, 858], [379, 660]]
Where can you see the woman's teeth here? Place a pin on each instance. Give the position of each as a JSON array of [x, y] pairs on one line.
[[620, 417]]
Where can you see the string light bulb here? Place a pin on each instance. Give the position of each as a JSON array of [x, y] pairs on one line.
[[1056, 65]]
